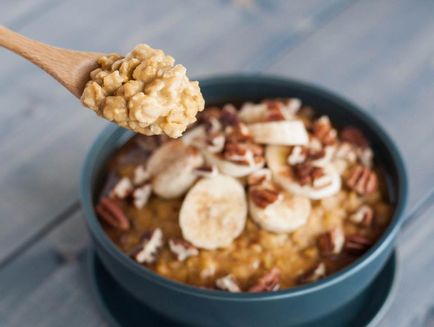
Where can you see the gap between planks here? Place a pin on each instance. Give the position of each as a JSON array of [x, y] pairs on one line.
[[57, 220]]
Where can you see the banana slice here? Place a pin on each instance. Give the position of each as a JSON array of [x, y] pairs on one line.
[[286, 132], [214, 212], [287, 213], [230, 168], [328, 185], [172, 167]]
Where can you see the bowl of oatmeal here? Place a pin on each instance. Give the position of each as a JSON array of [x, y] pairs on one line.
[[279, 206]]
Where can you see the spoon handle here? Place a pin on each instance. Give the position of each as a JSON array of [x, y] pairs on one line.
[[70, 68]]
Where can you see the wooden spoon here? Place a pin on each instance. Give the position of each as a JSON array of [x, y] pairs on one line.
[[70, 68]]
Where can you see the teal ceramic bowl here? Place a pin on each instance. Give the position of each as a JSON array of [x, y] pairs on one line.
[[290, 307]]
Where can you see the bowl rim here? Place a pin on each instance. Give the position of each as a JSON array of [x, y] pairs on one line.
[[381, 244]]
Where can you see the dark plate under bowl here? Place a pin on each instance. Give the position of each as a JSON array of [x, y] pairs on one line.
[[294, 306]]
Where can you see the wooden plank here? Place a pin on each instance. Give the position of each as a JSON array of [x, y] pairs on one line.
[[48, 286], [14, 13], [44, 133], [413, 304], [381, 55]]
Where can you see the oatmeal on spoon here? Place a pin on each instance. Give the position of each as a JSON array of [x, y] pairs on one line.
[[144, 91]]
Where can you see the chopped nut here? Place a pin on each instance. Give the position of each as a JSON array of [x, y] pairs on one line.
[[362, 180], [314, 274], [324, 131], [141, 195], [298, 155], [227, 283], [182, 249], [151, 244], [331, 242], [274, 110], [291, 107], [209, 114], [213, 125], [258, 177], [263, 197], [141, 175], [123, 188], [238, 134], [244, 153], [267, 283], [282, 109], [365, 156], [363, 216], [346, 152], [215, 142], [354, 136], [357, 244], [109, 210], [206, 171], [314, 145]]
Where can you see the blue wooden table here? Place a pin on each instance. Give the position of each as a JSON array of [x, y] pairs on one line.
[[379, 53]]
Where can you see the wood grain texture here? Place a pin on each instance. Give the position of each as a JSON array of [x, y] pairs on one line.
[[381, 55], [413, 304], [53, 288], [58, 280], [50, 134]]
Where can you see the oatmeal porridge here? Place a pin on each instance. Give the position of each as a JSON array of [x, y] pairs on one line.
[[144, 91], [258, 198]]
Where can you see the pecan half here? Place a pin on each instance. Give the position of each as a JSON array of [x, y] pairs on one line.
[[227, 283], [263, 197], [313, 274], [110, 212], [331, 242], [182, 249], [363, 216], [306, 173], [357, 244], [151, 244], [324, 131], [362, 180], [354, 136], [268, 282]]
